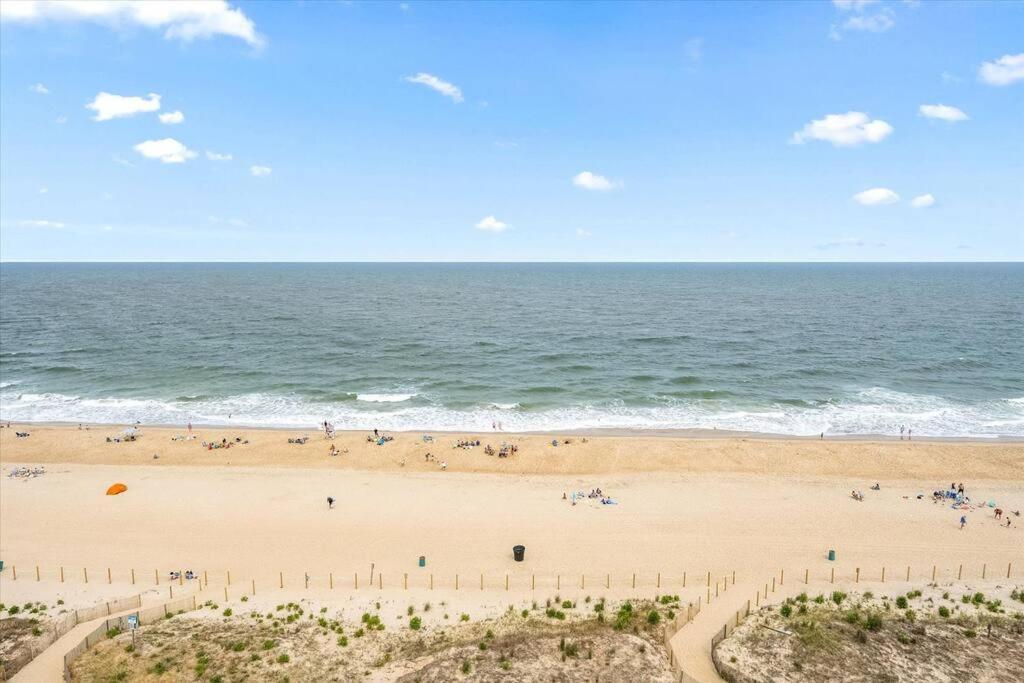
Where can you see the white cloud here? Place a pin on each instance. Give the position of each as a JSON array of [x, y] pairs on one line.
[[876, 196], [858, 19], [592, 181], [922, 201], [580, 232], [853, 5], [167, 150], [434, 83], [172, 117], [1004, 71], [260, 171], [844, 130], [874, 23], [182, 20], [217, 156], [108, 106], [943, 112], [491, 224], [42, 224], [694, 49], [39, 89]]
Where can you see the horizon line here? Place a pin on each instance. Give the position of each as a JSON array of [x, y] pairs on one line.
[[492, 261]]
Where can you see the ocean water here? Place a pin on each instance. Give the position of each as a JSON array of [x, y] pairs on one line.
[[780, 348]]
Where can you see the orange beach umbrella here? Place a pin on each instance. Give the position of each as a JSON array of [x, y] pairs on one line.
[[116, 489]]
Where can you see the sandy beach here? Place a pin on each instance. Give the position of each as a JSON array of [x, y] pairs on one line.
[[683, 508]]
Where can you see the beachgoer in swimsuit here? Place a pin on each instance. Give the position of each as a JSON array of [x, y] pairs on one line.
[[330, 502]]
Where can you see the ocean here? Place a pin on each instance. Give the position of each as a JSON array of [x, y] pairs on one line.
[[793, 349]]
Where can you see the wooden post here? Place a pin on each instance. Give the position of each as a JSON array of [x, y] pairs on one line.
[[85, 573], [933, 573], [380, 581], [109, 580], [481, 582], [857, 580], [634, 580], [37, 572], [684, 579], [533, 582], [766, 591], [254, 586], [758, 599], [883, 574], [330, 579], [908, 572], [558, 581], [229, 577], [1008, 567], [506, 581], [225, 593], [608, 579], [959, 572], [356, 580], [133, 576], [709, 597], [583, 581], [62, 574], [280, 580], [725, 585], [782, 576], [171, 589], [984, 567], [405, 581], [833, 579], [14, 570], [181, 579], [734, 577], [431, 582], [156, 577], [456, 582], [807, 575], [659, 580], [709, 579], [306, 574], [206, 579], [716, 588], [773, 584]]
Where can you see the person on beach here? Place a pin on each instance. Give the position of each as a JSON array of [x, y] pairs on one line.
[[902, 429], [190, 428], [908, 433], [963, 522], [330, 503]]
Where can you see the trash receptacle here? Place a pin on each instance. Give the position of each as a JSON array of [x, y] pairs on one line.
[[518, 551], [423, 561], [831, 555]]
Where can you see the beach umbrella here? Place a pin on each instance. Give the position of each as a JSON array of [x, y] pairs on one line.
[[116, 489]]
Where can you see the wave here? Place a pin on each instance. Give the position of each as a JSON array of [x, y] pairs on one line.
[[384, 398], [865, 411]]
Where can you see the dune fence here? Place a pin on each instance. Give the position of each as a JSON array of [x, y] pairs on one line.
[[114, 626]]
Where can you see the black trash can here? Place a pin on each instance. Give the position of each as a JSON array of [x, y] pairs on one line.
[[518, 551]]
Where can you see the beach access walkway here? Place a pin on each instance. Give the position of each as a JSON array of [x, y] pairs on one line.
[[49, 665]]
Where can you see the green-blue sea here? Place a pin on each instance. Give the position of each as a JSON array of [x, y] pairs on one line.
[[779, 348]]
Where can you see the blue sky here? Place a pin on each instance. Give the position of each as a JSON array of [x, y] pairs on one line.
[[399, 131]]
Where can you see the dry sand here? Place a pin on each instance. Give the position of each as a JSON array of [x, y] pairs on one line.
[[752, 506]]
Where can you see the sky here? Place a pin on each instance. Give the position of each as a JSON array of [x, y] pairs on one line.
[[342, 131]]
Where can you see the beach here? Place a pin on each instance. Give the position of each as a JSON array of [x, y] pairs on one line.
[[687, 514]]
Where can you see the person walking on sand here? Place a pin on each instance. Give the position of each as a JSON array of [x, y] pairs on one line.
[[190, 428], [963, 522], [902, 429], [330, 503]]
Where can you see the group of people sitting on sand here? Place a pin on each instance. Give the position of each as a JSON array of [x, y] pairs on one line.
[[504, 451], [299, 439], [595, 494], [189, 575], [379, 437], [429, 457], [118, 439], [22, 435], [466, 443], [26, 472], [224, 443], [334, 451]]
